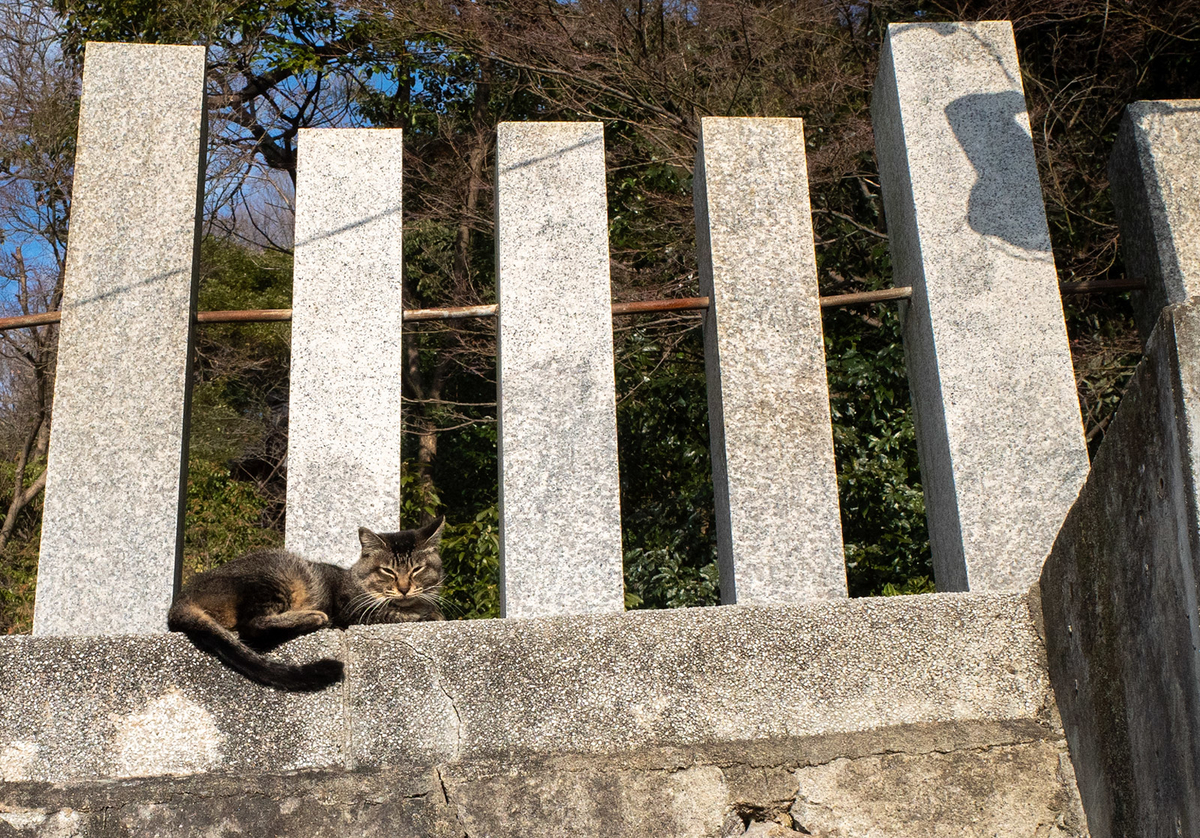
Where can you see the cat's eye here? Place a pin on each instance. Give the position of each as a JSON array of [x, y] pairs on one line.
[[387, 571]]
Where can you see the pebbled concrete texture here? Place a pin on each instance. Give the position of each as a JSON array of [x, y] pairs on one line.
[[779, 534], [344, 425], [1119, 593], [1018, 788], [89, 708], [675, 678], [694, 722], [445, 692], [1154, 174], [560, 505], [112, 529], [999, 433]]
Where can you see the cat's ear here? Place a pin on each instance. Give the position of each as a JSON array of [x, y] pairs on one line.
[[371, 543], [430, 535]]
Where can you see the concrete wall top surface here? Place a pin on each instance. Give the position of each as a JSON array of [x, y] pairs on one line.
[[83, 708]]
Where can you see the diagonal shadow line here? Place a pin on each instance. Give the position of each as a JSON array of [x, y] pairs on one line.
[[122, 289], [162, 276], [353, 225], [947, 29], [362, 222], [556, 153]]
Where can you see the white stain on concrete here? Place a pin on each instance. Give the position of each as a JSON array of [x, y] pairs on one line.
[[172, 735], [16, 761]]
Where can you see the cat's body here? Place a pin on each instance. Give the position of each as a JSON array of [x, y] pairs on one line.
[[269, 596]]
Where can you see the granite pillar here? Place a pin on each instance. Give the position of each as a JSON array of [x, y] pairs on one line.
[[779, 535], [1154, 172], [560, 530], [344, 424], [112, 528], [999, 433]]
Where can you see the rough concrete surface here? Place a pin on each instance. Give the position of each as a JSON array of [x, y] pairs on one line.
[[112, 529], [1154, 174], [692, 722], [779, 534], [677, 678], [86, 708], [1119, 594], [344, 425], [81, 708], [1014, 789], [560, 505], [999, 433]]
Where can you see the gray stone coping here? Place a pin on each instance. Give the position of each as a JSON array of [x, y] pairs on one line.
[[961, 667]]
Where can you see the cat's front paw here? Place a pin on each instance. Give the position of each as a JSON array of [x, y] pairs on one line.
[[312, 620]]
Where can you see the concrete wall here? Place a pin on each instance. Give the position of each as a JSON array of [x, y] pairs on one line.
[[1119, 592], [909, 716]]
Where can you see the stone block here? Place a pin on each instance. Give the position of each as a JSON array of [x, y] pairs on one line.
[[560, 531], [1021, 789], [999, 432], [779, 534], [1024, 789], [344, 425], [667, 721], [398, 707], [1154, 173], [838, 670], [76, 709], [112, 529], [1119, 594]]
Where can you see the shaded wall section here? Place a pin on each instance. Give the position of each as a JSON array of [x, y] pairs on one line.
[[1119, 599]]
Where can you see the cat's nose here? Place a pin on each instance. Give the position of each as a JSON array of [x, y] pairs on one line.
[[403, 587]]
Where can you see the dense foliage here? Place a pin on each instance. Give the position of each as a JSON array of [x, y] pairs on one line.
[[447, 73]]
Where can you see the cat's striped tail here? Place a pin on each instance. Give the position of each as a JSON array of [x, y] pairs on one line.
[[214, 638]]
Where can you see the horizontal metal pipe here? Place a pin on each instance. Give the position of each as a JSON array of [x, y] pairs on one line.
[[42, 319], [275, 315]]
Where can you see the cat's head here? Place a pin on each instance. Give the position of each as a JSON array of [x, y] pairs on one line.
[[403, 569]]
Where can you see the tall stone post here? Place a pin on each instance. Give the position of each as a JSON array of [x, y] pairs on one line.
[[779, 536], [560, 529], [999, 432], [1155, 176], [344, 424], [112, 528]]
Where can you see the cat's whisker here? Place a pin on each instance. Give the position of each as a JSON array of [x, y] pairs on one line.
[[365, 603], [373, 612]]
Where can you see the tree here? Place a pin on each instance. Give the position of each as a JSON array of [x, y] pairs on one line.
[[447, 73], [38, 90]]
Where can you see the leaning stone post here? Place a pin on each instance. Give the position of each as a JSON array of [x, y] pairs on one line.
[[1155, 176], [112, 528], [779, 537], [999, 432], [560, 531], [344, 424]]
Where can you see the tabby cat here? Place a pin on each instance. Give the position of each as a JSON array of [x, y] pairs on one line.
[[266, 597]]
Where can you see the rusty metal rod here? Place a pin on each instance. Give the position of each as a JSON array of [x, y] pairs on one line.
[[275, 315], [880, 296], [42, 319], [260, 315], [1093, 286]]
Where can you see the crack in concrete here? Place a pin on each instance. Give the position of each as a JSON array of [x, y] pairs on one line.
[[347, 727], [435, 674]]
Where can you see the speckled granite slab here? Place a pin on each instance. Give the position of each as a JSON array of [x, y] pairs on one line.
[[112, 527], [779, 535], [344, 424], [560, 536], [998, 426]]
